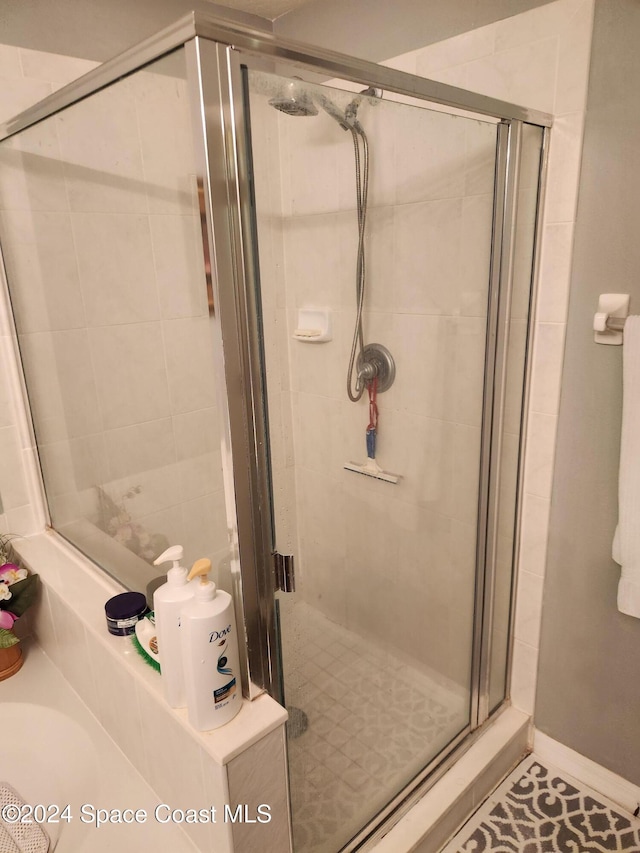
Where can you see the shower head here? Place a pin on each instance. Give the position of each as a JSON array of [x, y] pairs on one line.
[[294, 100]]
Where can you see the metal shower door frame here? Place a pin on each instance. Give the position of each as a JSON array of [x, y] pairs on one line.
[[231, 107], [215, 50], [249, 336]]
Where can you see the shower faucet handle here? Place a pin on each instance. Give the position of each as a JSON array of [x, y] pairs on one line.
[[367, 371], [376, 362]]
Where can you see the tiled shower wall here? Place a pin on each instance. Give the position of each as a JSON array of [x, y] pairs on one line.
[[26, 76], [368, 550], [354, 567], [540, 59], [116, 171], [69, 619]]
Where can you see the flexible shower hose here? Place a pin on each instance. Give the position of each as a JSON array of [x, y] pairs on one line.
[[362, 190]]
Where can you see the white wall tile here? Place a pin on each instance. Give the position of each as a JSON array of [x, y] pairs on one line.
[[425, 463], [533, 535], [564, 168], [7, 415], [456, 51], [540, 450], [188, 349], [475, 261], [115, 265], [255, 778], [16, 98], [382, 132], [313, 259], [141, 447], [200, 475], [555, 272], [317, 424], [39, 65], [407, 62], [72, 651], [426, 343], [313, 150], [430, 151], [381, 272], [74, 465], [205, 527], [165, 140], [196, 432], [534, 25], [466, 453], [100, 148], [427, 251], [179, 265], [529, 609], [573, 61], [521, 75], [12, 485], [61, 384], [480, 159], [131, 380], [38, 248], [216, 793], [523, 677], [172, 758], [10, 66], [467, 368], [32, 176], [547, 368], [44, 624], [117, 705]]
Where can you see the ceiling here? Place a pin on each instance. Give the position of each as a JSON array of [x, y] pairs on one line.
[[270, 9]]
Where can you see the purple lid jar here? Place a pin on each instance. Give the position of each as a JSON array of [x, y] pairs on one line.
[[123, 611]]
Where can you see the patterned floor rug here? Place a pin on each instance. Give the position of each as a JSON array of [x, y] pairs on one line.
[[539, 809]]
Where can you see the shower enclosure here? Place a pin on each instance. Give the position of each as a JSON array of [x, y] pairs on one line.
[[256, 222]]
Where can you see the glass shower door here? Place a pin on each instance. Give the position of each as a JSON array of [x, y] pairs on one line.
[[377, 640]]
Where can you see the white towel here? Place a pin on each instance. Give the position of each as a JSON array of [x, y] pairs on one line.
[[626, 541]]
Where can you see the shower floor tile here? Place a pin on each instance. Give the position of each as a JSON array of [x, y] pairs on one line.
[[540, 809], [373, 723]]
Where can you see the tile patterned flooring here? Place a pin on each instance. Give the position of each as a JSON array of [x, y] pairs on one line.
[[373, 723], [540, 809]]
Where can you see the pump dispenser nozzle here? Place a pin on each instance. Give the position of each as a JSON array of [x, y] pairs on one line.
[[175, 553], [177, 574], [206, 589]]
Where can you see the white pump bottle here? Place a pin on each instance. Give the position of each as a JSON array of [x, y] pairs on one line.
[[210, 653], [168, 602]]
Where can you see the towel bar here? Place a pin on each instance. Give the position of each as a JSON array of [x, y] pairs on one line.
[[608, 322], [602, 322]]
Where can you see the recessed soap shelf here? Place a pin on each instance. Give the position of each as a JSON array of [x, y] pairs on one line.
[[314, 326]]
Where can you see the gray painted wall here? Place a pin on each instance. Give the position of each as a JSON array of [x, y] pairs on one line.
[[98, 29], [370, 29], [589, 675], [379, 29]]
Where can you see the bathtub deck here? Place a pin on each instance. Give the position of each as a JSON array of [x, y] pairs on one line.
[[116, 783]]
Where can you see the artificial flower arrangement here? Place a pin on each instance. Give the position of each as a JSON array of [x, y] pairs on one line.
[[18, 590]]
